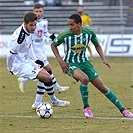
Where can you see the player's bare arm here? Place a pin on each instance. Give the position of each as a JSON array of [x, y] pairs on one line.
[[62, 63], [100, 52]]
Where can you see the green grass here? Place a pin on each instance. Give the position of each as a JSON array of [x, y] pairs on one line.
[[15, 107]]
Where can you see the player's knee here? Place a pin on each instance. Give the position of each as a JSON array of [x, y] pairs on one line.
[[84, 80], [47, 78], [44, 76]]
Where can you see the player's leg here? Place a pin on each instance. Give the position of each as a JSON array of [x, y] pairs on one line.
[[48, 86], [98, 83], [39, 95], [83, 78], [44, 78], [25, 72], [31, 71], [21, 83], [9, 62], [55, 84], [22, 80]]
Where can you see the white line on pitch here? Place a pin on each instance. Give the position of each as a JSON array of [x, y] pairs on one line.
[[69, 117]]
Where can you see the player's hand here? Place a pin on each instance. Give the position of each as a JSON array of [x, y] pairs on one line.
[[52, 37], [39, 62], [106, 63], [64, 66]]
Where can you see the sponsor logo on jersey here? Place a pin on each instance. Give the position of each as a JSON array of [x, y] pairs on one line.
[[38, 40], [78, 48]]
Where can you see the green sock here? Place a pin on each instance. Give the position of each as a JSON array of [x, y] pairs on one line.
[[113, 98], [84, 95]]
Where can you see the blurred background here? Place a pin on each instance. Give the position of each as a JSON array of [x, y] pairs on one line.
[[109, 17]]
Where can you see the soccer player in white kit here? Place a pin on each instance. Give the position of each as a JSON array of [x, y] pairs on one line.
[[22, 61], [40, 32]]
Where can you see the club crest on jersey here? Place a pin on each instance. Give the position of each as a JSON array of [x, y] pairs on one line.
[[39, 33], [78, 48]]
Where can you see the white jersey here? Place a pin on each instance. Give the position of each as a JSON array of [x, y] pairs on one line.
[[38, 39], [20, 43], [18, 60]]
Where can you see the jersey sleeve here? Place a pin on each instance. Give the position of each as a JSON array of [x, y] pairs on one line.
[[47, 34], [59, 39], [94, 38], [44, 23]]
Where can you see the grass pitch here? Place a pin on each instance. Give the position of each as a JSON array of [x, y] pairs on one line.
[[16, 115]]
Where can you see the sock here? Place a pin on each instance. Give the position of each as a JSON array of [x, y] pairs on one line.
[[55, 84], [84, 95], [50, 90], [40, 92], [24, 79], [113, 98]]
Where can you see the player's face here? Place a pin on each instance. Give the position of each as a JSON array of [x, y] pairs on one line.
[[80, 10], [74, 27], [31, 26], [39, 12]]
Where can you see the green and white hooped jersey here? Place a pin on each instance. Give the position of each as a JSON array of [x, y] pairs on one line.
[[75, 45]]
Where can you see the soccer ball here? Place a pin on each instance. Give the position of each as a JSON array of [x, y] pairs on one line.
[[44, 110]]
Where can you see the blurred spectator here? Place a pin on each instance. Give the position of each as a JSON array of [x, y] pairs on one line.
[[86, 20], [49, 2], [36, 1], [53, 2], [57, 2], [112, 2]]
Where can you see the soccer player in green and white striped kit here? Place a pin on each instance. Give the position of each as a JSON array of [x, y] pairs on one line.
[[77, 65]]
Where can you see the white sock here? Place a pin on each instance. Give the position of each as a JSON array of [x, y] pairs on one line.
[[56, 85], [40, 92], [24, 79], [38, 99], [53, 98]]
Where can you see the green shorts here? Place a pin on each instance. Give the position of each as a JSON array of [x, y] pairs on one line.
[[86, 67]]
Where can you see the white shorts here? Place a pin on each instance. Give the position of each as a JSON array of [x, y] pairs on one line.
[[28, 69], [45, 62], [43, 58]]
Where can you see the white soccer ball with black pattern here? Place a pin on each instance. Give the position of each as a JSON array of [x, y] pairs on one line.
[[44, 110]]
